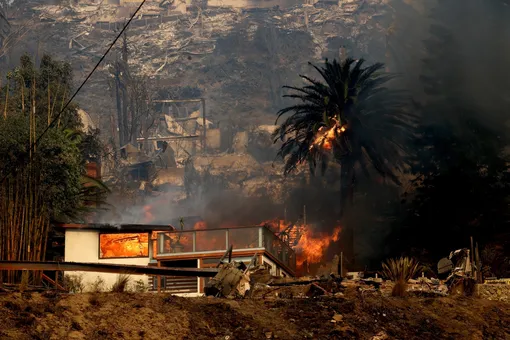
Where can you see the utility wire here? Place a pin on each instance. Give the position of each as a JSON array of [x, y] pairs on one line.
[[82, 84]]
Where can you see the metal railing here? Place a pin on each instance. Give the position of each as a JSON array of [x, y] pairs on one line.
[[218, 240]]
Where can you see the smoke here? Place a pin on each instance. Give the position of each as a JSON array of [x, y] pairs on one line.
[[459, 50], [218, 197], [217, 209], [453, 58], [455, 53]]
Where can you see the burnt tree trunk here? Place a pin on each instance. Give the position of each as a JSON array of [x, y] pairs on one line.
[[120, 120]]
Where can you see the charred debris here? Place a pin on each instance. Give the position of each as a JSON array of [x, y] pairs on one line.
[[238, 280], [225, 52], [190, 82]]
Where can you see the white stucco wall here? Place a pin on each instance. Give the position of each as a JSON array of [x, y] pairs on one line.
[[274, 266], [83, 246]]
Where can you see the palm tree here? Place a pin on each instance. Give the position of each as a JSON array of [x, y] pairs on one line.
[[350, 118]]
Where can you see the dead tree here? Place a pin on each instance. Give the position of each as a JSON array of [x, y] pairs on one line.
[[142, 117], [134, 115]]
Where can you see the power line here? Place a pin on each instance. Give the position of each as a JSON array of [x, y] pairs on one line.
[[52, 123], [90, 74]]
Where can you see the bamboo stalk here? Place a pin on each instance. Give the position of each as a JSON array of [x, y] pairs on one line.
[[49, 102], [55, 100], [25, 219], [6, 98], [62, 106], [22, 95], [33, 113]]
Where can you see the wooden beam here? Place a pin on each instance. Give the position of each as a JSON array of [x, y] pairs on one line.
[[201, 280], [229, 253], [107, 268], [177, 101], [141, 139], [209, 255], [54, 283]]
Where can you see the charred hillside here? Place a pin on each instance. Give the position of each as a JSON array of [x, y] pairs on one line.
[[238, 58]]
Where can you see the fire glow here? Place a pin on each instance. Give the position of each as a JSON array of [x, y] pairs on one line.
[[325, 136], [123, 245], [148, 216], [313, 245], [310, 246]]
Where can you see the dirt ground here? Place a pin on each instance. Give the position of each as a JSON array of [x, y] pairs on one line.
[[160, 316]]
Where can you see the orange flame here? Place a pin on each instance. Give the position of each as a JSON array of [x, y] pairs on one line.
[[124, 245], [200, 225], [325, 136], [312, 245], [275, 225], [148, 216]]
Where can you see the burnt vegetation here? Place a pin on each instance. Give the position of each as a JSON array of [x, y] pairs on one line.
[[442, 141], [410, 156], [120, 316]]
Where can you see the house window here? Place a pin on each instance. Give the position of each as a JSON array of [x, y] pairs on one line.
[[123, 245]]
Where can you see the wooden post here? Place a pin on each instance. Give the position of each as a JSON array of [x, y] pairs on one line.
[[204, 122], [472, 258], [200, 279], [56, 280], [227, 253], [341, 264], [478, 265], [159, 278]]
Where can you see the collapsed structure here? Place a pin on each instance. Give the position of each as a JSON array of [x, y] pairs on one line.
[[164, 246], [179, 49], [209, 52]]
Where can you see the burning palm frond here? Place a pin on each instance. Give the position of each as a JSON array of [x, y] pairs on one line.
[[349, 117], [325, 136]]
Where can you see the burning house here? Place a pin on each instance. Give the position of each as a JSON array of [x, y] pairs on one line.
[[164, 246], [104, 243]]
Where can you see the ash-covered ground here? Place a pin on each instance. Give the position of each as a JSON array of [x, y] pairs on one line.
[[160, 316]]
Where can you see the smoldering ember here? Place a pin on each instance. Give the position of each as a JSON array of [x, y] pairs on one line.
[[248, 169]]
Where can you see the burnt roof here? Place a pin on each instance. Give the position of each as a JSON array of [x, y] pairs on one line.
[[118, 227], [172, 224]]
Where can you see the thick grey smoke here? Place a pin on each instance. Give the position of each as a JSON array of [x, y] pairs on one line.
[[463, 45]]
